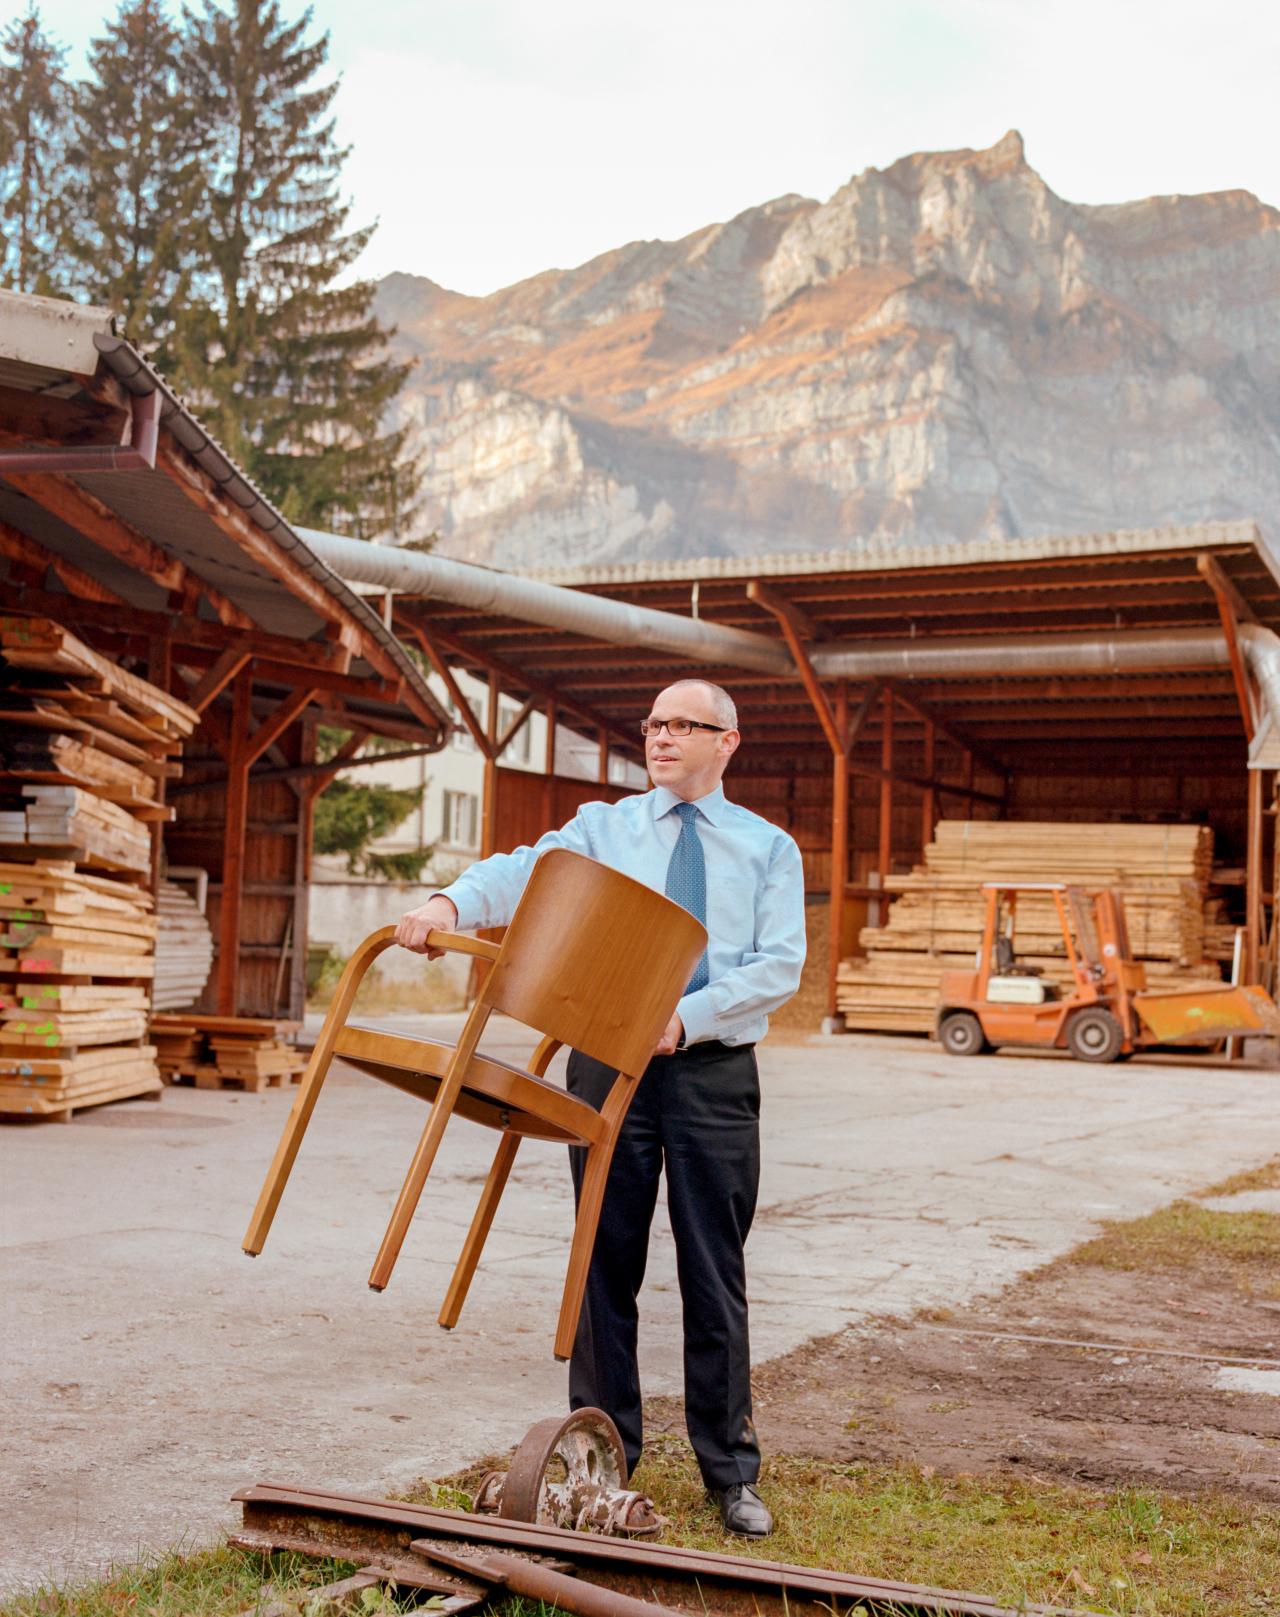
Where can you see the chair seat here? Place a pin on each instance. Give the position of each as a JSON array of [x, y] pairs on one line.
[[495, 1093]]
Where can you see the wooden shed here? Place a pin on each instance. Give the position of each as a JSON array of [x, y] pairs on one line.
[[1094, 678], [121, 519]]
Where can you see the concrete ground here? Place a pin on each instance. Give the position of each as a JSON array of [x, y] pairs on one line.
[[149, 1368]]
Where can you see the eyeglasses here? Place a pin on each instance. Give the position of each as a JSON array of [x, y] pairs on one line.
[[675, 727]]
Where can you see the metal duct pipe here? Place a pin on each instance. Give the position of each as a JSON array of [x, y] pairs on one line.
[[1261, 649], [1140, 651], [972, 656], [551, 605]]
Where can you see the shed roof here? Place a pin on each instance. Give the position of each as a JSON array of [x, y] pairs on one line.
[[66, 378], [1115, 583]]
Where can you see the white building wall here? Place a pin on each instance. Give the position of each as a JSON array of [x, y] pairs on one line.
[[345, 909]]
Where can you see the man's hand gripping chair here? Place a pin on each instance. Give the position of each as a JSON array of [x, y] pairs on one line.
[[592, 960]]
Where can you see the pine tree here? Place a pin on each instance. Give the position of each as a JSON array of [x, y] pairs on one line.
[[289, 366], [33, 112], [132, 175]]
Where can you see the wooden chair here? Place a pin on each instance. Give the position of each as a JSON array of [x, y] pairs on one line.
[[592, 960]]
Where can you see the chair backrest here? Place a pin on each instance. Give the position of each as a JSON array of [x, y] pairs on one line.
[[595, 959]]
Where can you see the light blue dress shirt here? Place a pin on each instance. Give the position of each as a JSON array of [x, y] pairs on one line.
[[755, 898]]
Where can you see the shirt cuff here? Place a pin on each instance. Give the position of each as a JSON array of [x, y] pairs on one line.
[[697, 1016], [464, 901]]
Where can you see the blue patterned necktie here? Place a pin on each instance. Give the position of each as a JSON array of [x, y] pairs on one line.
[[687, 881]]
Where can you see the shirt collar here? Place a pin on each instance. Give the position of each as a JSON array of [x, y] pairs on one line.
[[713, 805]]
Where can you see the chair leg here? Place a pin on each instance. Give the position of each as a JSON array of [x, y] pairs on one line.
[[478, 1234], [309, 1089], [287, 1150], [416, 1178], [590, 1200]]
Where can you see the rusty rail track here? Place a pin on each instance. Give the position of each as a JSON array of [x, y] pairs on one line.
[[460, 1556]]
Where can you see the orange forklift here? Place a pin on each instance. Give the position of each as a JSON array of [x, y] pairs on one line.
[[1107, 1013]]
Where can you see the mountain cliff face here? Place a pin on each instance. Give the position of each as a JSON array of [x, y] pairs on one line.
[[946, 350]]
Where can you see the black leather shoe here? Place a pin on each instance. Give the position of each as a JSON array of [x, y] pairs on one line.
[[743, 1511]]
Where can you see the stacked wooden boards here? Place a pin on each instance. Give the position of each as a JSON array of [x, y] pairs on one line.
[[215, 1051], [935, 924], [184, 949], [84, 749], [76, 962]]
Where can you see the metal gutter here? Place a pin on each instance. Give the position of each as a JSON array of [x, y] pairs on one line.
[[138, 377], [551, 605]]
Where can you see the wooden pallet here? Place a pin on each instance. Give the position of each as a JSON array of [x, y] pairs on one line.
[[217, 1052], [205, 1076]]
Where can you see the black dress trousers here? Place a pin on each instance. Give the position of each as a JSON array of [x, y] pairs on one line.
[[696, 1113]]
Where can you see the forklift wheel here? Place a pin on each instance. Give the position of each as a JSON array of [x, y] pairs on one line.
[[961, 1034], [1094, 1035]]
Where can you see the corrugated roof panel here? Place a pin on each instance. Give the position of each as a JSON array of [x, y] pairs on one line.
[[876, 555]]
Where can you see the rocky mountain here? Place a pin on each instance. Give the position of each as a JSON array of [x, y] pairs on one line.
[[946, 350]]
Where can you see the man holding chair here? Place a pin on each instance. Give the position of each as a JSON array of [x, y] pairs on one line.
[[696, 1112]]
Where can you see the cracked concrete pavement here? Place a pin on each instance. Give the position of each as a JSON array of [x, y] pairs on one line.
[[150, 1368]]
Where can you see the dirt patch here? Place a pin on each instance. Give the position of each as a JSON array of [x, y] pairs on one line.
[[966, 1393]]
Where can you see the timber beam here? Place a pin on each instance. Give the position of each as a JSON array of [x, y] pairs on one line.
[[184, 630], [944, 730], [1232, 609], [515, 677], [20, 548], [89, 517]]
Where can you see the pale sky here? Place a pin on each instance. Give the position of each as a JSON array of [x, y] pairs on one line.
[[493, 139]]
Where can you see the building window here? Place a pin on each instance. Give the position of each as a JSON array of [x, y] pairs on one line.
[[518, 751], [462, 740], [461, 820]]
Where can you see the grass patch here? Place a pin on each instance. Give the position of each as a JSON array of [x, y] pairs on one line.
[[1185, 1235], [223, 1583], [1267, 1177], [204, 1583], [382, 994], [1128, 1553], [1131, 1553]]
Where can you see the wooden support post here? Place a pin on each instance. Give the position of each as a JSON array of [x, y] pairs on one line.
[[839, 856], [885, 853], [305, 816], [602, 761], [489, 805], [233, 845], [929, 801], [549, 750], [1253, 882]]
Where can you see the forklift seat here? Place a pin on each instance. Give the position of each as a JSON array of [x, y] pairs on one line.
[[591, 959]]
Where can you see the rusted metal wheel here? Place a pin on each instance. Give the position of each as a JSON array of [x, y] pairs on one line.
[[560, 1457]]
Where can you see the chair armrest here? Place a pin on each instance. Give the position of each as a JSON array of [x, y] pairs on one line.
[[541, 1057], [459, 943]]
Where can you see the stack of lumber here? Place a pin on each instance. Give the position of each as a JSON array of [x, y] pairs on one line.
[[184, 950], [76, 960], [85, 747], [935, 924], [215, 1051]]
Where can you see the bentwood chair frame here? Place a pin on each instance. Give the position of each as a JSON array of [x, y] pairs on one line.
[[593, 960]]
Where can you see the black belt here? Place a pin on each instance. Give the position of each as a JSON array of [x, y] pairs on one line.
[[711, 1050]]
